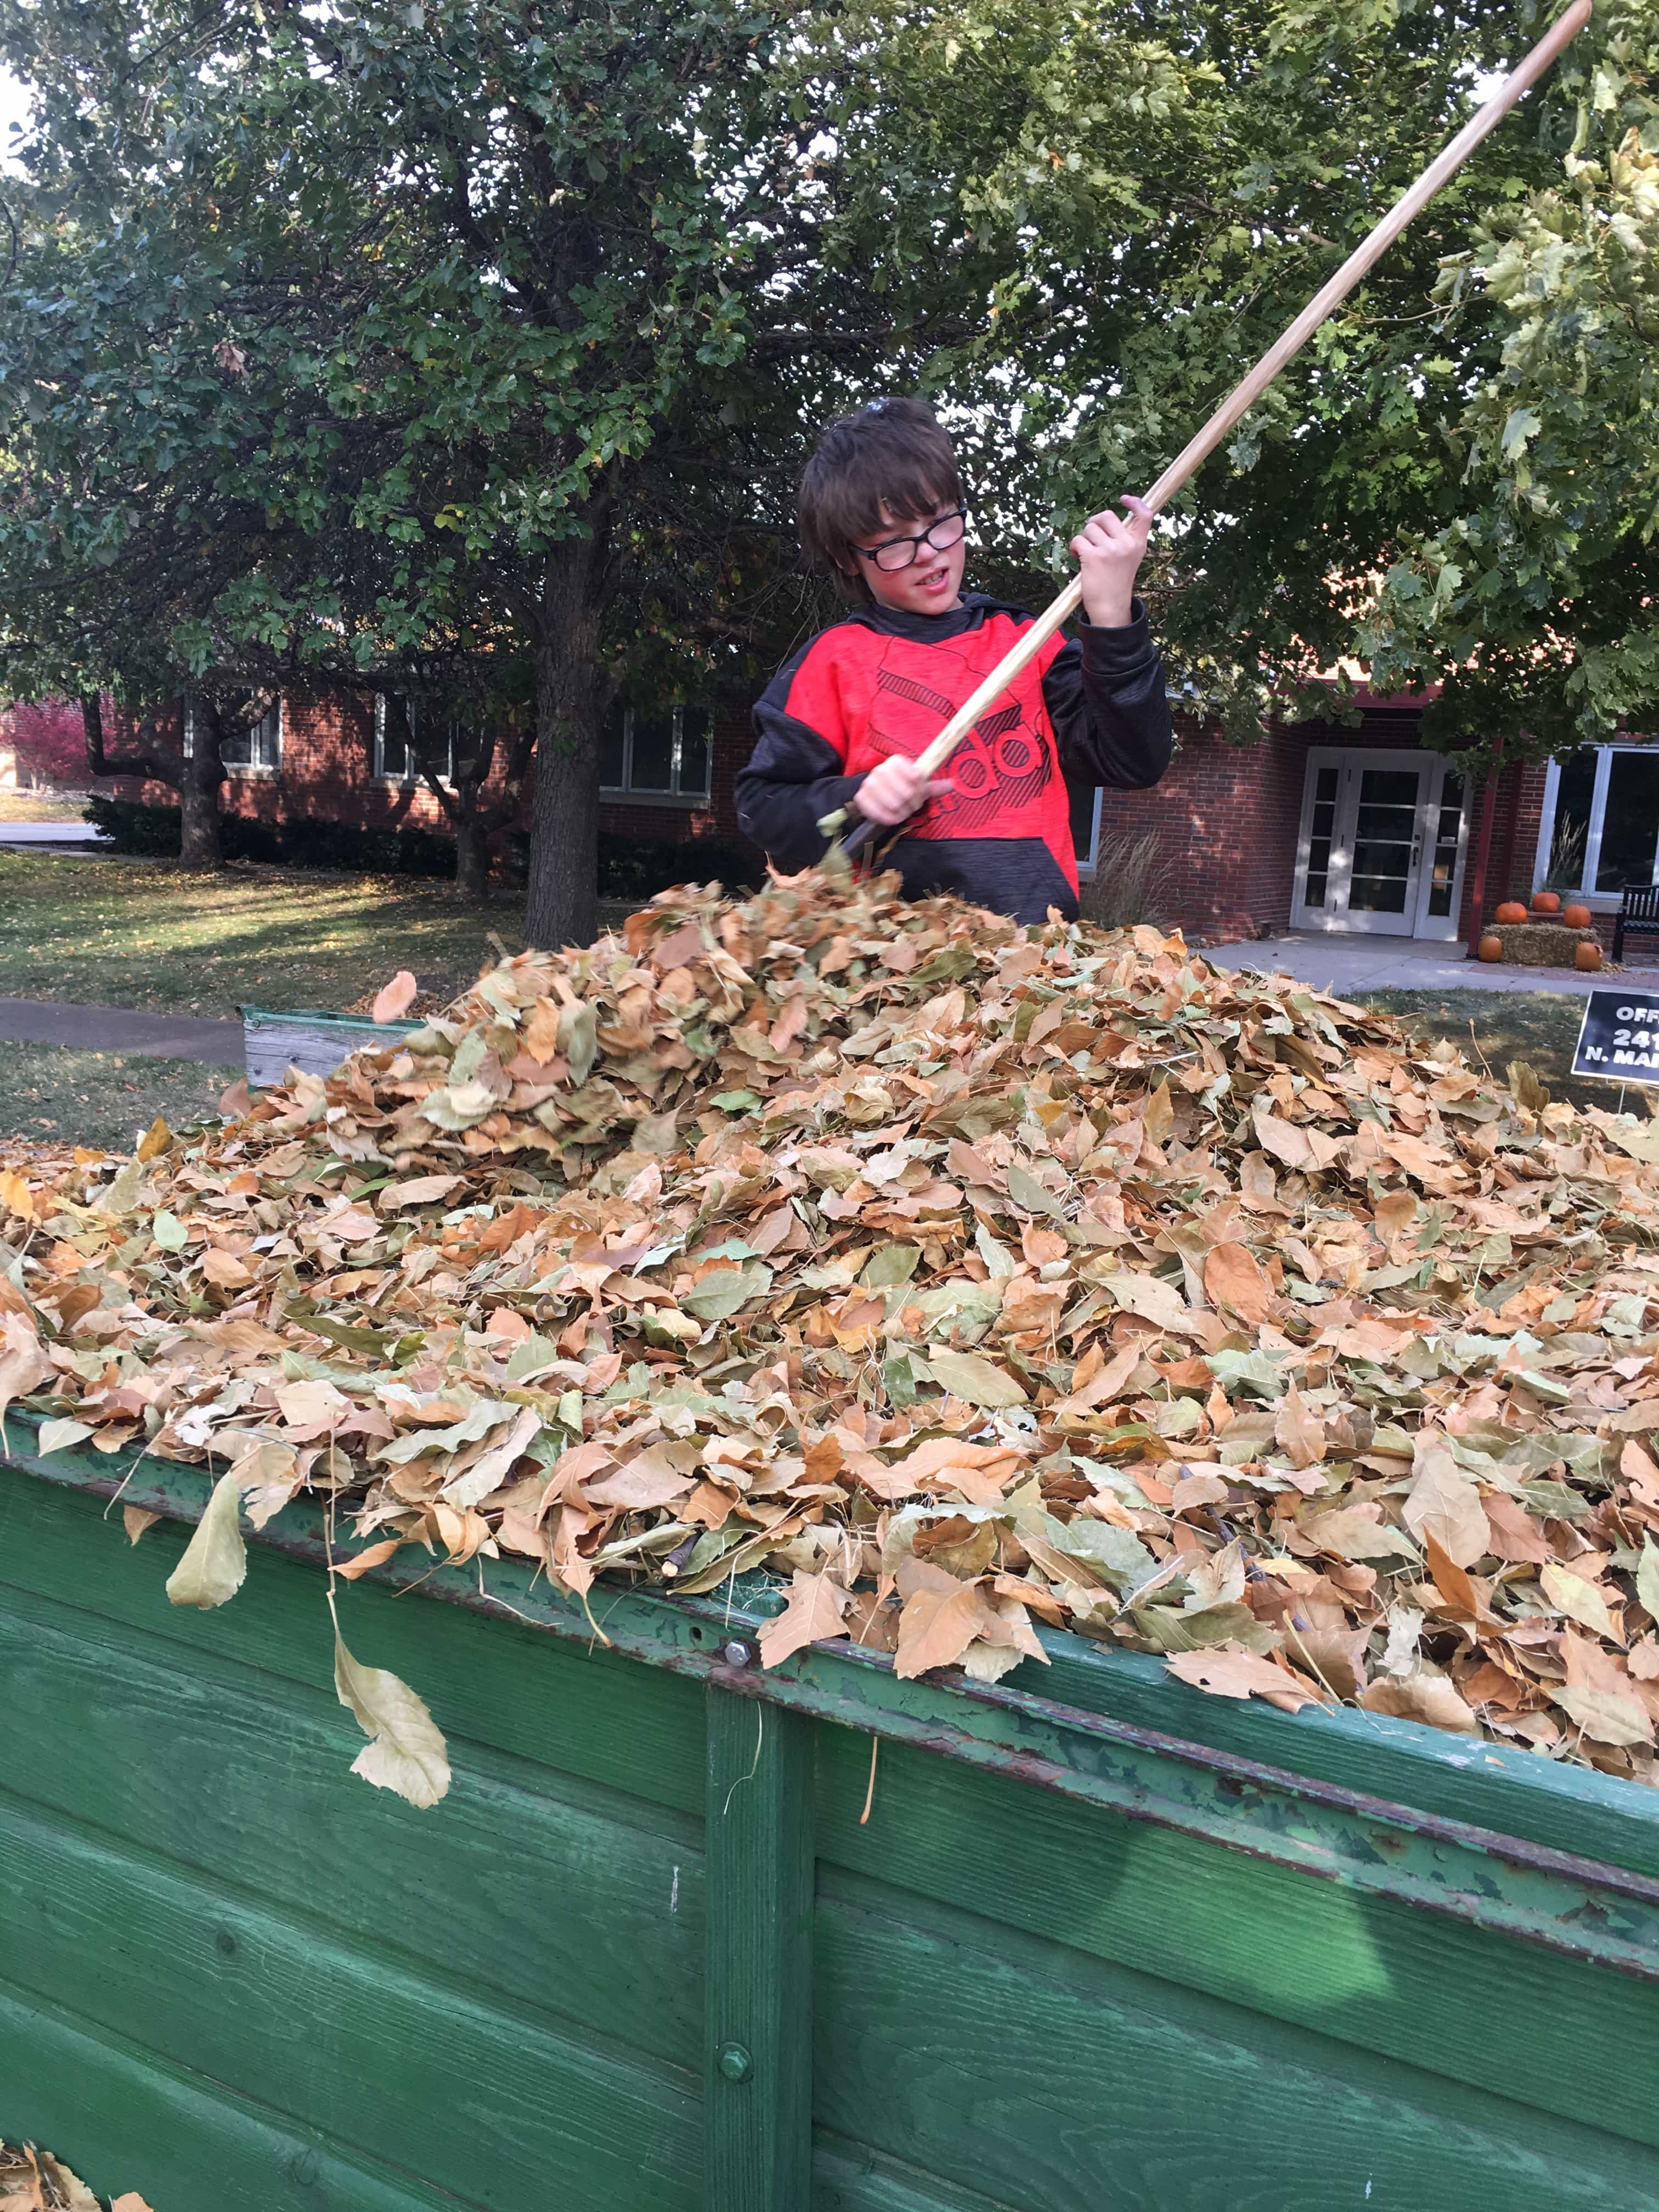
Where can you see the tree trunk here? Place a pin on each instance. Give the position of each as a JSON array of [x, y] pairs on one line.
[[199, 845], [562, 906], [473, 856]]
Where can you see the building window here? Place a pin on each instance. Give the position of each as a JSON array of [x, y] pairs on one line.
[[1600, 829], [396, 760], [1086, 825], [256, 751], [657, 752]]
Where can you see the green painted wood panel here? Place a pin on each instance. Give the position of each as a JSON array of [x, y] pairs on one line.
[[757, 2093], [184, 2144], [540, 1886], [1368, 1971], [578, 1708], [1023, 2002], [1055, 2085], [405, 2068]]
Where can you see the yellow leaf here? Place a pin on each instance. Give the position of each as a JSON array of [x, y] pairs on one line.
[[15, 1195], [1580, 1600], [215, 1558], [155, 1139], [407, 1752]]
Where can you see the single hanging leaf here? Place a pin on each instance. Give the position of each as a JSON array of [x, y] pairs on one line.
[[215, 1558], [407, 1752], [134, 1519]]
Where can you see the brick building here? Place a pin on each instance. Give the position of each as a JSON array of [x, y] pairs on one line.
[[1318, 827]]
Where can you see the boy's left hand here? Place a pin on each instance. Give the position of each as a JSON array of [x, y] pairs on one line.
[[1109, 550]]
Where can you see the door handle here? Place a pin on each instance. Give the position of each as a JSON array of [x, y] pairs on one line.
[[1417, 853]]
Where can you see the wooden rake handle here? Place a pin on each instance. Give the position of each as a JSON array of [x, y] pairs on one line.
[[1244, 395]]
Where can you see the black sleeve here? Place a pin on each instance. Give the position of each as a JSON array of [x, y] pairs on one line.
[[794, 777], [1104, 693]]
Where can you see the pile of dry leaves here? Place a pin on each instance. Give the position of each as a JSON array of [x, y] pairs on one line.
[[33, 2181], [966, 1277]]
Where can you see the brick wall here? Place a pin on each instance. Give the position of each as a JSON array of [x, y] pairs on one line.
[[1227, 816], [43, 748]]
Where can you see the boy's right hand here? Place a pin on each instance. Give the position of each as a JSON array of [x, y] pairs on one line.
[[894, 788]]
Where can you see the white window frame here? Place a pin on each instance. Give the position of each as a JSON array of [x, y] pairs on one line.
[[268, 770], [1087, 864], [625, 791], [1597, 901], [1414, 921], [411, 771]]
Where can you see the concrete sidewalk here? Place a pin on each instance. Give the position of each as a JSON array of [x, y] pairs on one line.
[[71, 834], [1404, 964], [120, 1029]]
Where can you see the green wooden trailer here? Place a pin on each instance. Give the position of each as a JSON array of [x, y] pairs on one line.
[[1103, 1941]]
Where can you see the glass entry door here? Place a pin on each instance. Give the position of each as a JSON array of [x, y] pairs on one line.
[[1382, 843]]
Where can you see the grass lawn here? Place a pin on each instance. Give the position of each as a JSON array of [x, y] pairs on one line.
[[41, 806], [126, 932], [50, 1094], [1499, 1026]]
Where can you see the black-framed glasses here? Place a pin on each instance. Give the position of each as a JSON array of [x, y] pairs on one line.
[[899, 552]]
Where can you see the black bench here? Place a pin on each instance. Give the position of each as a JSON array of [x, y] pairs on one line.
[[1639, 910]]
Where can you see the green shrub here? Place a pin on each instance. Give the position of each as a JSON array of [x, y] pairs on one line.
[[153, 832]]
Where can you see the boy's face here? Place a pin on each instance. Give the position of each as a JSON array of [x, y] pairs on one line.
[[932, 584]]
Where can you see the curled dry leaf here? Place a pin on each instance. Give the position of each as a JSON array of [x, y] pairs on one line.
[[1230, 1671], [215, 1562], [406, 1753]]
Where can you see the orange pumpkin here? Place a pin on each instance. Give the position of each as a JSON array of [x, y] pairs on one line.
[[1587, 955], [1491, 946], [1547, 902], [1575, 917], [1511, 911]]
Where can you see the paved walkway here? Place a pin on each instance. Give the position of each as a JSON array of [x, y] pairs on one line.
[[51, 833], [1404, 964], [119, 1029]]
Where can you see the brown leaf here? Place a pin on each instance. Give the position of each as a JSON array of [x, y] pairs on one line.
[[936, 1626], [394, 999], [1420, 1697], [376, 1555], [1230, 1671], [134, 1519], [1442, 1500], [1234, 1277], [816, 1609]]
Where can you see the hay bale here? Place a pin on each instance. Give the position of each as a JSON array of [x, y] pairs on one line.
[[1539, 943]]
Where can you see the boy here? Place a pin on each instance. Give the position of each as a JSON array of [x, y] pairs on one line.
[[882, 506]]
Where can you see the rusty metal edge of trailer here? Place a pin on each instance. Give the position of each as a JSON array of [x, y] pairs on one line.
[[1508, 1879]]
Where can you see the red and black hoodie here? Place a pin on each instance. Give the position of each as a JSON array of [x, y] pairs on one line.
[[1091, 708]]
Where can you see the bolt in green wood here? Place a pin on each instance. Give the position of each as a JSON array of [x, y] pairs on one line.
[[757, 2117]]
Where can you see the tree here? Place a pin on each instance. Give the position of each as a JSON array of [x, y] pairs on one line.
[[517, 277], [1475, 424]]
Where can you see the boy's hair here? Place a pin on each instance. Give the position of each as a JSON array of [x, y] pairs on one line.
[[892, 452]]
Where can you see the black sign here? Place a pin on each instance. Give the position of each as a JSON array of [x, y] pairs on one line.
[[1618, 1038]]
